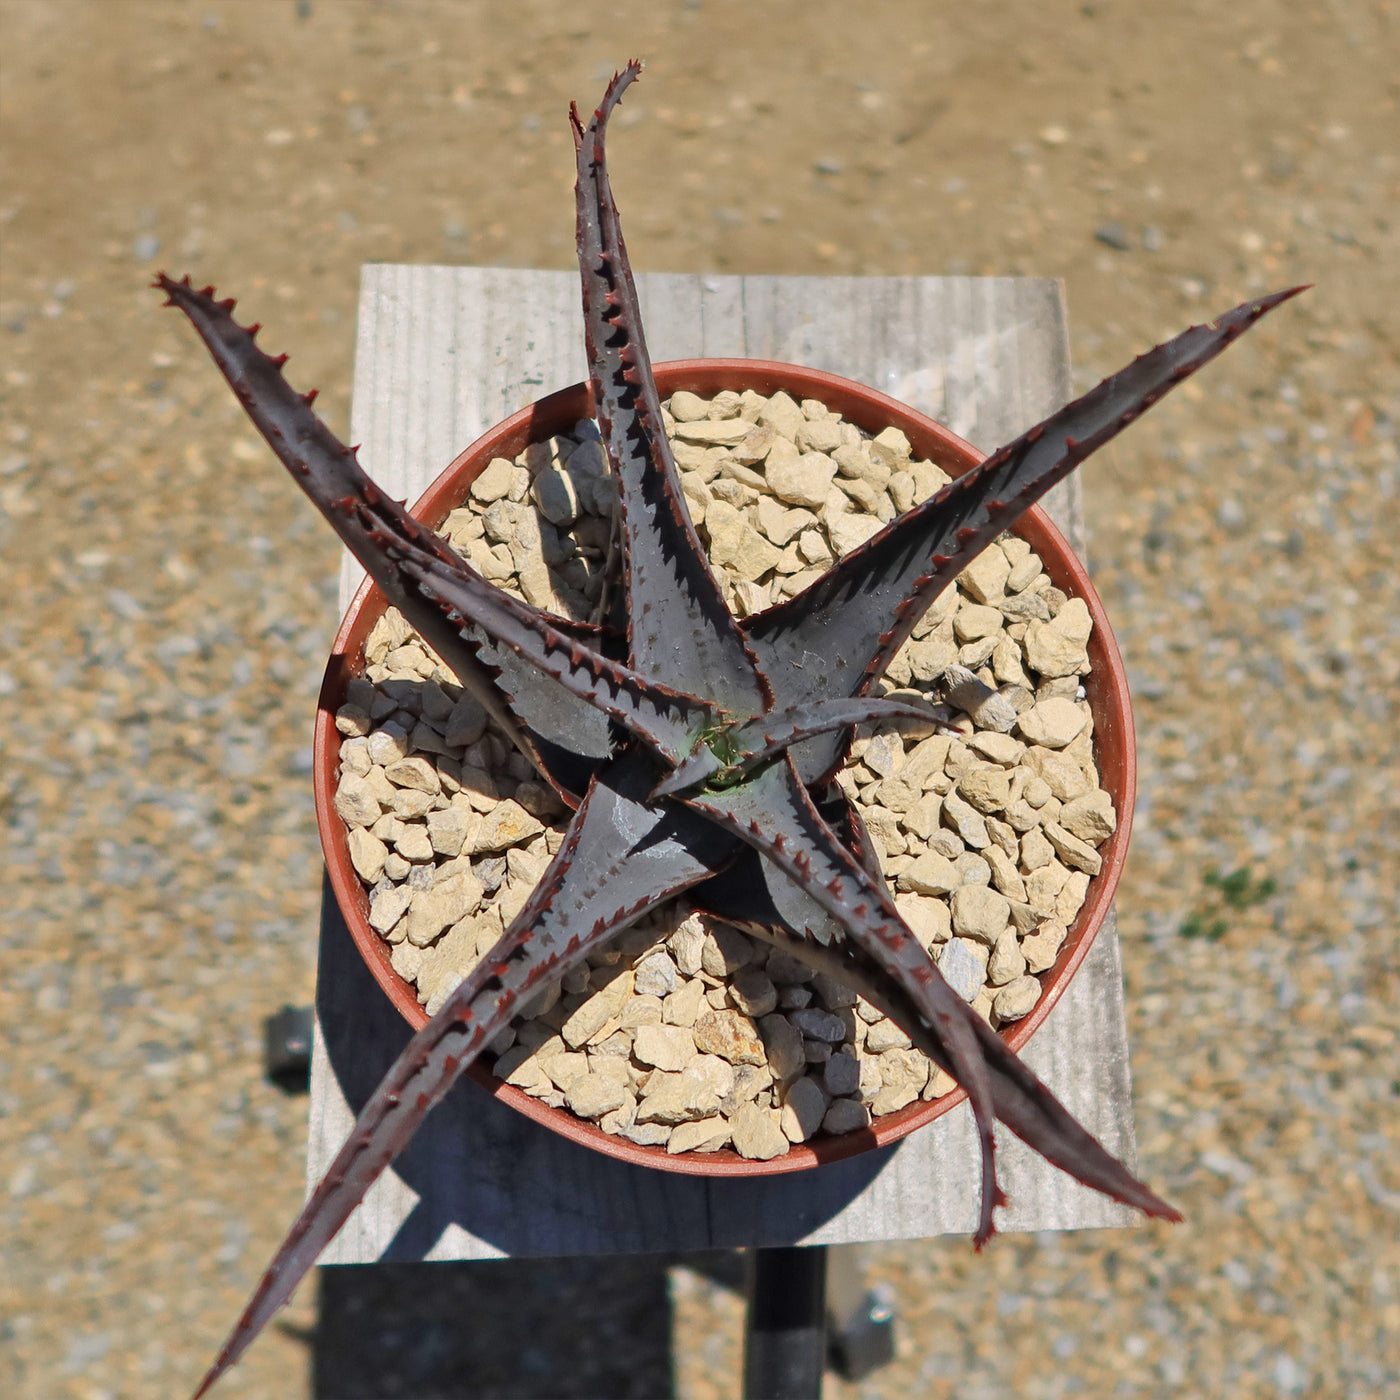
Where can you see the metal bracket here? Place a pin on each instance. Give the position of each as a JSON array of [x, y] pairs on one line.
[[859, 1319], [809, 1307], [287, 1049]]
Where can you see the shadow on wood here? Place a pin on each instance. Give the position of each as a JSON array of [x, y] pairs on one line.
[[464, 1169], [500, 1329]]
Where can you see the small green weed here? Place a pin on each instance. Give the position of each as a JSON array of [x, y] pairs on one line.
[[1238, 890], [1201, 926]]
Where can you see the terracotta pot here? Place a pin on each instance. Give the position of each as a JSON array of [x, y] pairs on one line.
[[1106, 687]]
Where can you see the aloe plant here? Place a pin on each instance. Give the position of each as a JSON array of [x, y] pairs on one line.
[[701, 761]]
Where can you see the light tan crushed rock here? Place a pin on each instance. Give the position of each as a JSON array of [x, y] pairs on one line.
[[686, 1004], [979, 912], [702, 1135], [656, 975], [1016, 999], [1053, 722], [665, 1047], [1090, 817], [783, 1042], [757, 1133], [730, 1035], [1071, 850], [961, 968], [677, 1097], [1041, 947], [596, 1093]]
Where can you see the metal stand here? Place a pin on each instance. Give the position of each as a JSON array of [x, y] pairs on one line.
[[810, 1307], [859, 1320], [785, 1331], [287, 1048]]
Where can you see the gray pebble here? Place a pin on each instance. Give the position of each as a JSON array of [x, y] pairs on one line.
[[885, 1035], [846, 1116], [785, 969], [841, 1075], [803, 1110], [656, 975], [754, 992], [816, 1024], [490, 870], [962, 969]]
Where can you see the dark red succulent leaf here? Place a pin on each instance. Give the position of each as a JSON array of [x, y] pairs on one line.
[[368, 521], [678, 624], [440, 594], [776, 816], [761, 740], [1020, 1098], [753, 893], [664, 719], [839, 634], [621, 858], [773, 813], [751, 746]]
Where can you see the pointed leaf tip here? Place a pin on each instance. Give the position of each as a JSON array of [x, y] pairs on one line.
[[1251, 311]]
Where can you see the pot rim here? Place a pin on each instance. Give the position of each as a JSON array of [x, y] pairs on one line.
[[1106, 688]]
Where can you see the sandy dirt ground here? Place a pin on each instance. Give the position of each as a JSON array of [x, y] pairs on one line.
[[168, 599]]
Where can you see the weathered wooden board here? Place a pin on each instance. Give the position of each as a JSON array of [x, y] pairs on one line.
[[443, 353]]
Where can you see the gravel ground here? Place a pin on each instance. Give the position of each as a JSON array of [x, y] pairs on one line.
[[171, 598]]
